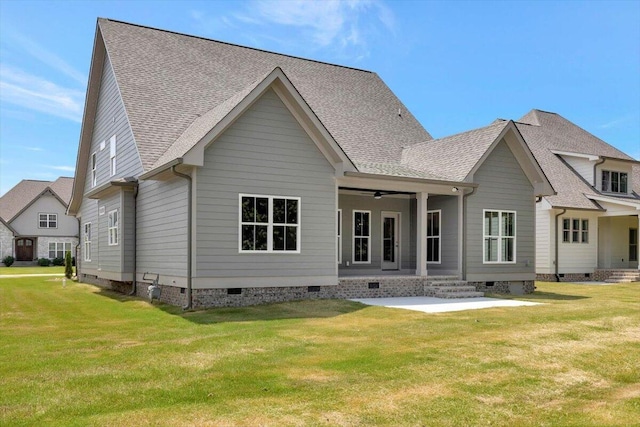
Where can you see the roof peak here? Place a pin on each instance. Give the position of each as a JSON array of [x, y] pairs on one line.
[[234, 44]]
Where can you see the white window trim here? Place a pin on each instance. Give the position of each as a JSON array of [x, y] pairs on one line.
[[611, 172], [48, 220], [112, 155], [56, 250], [354, 237], [439, 236], [571, 230], [116, 228], [94, 169], [87, 242], [339, 227], [500, 237], [270, 224]]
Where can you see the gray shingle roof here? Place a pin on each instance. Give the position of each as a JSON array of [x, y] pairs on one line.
[[544, 132], [24, 193], [453, 157], [174, 84]]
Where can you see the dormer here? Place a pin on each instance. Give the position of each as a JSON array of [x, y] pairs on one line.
[[614, 176], [606, 174]]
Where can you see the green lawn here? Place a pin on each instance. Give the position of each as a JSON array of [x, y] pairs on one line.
[[77, 355], [9, 271]]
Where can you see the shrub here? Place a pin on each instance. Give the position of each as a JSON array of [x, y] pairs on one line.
[[44, 262], [8, 260], [68, 268], [58, 261]]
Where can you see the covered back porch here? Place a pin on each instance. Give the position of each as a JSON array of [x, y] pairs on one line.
[[409, 229]]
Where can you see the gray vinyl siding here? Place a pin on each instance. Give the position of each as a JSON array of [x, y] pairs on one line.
[[162, 227], [448, 232], [89, 213], [265, 152], [502, 186], [109, 256], [348, 203], [111, 119]]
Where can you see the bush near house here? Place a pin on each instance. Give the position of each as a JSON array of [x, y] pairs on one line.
[[8, 260], [44, 262], [59, 261]]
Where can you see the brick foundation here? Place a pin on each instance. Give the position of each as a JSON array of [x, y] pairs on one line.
[[348, 287]]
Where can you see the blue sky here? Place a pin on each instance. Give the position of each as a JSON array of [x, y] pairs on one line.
[[455, 65]]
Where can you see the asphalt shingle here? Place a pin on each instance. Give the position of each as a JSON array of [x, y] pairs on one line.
[[545, 132], [169, 81]]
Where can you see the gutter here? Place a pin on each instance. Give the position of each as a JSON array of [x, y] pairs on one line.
[[464, 233], [134, 283], [556, 245], [595, 165], [160, 169], [411, 179], [189, 227]]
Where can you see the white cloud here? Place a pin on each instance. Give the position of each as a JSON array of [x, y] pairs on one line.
[[619, 121], [33, 148], [347, 28], [62, 168], [46, 57], [20, 88]]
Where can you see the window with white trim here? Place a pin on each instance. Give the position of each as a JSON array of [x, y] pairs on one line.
[[575, 230], [58, 249], [499, 237], [87, 241], [339, 240], [94, 166], [269, 224], [433, 236], [361, 237], [46, 220], [112, 155], [614, 182], [112, 228]]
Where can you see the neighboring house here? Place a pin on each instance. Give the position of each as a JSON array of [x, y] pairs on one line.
[[590, 227], [242, 176], [34, 221]]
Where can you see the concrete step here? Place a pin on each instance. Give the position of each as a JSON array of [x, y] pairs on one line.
[[442, 278], [451, 295], [449, 289], [446, 282], [612, 280]]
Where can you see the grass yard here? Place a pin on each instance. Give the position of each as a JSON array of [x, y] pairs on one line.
[[79, 355], [13, 270]]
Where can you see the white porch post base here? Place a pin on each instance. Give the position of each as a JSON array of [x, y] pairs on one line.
[[421, 234]]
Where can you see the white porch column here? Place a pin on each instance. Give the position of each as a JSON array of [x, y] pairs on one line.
[[421, 234]]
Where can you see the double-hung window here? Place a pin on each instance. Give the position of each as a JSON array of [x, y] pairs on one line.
[[46, 220], [269, 224], [112, 228], [361, 237], [614, 182], [87, 241], [112, 155], [499, 237], [58, 249], [433, 237], [94, 170], [575, 230]]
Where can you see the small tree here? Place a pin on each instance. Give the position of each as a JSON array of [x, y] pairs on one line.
[[68, 270]]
